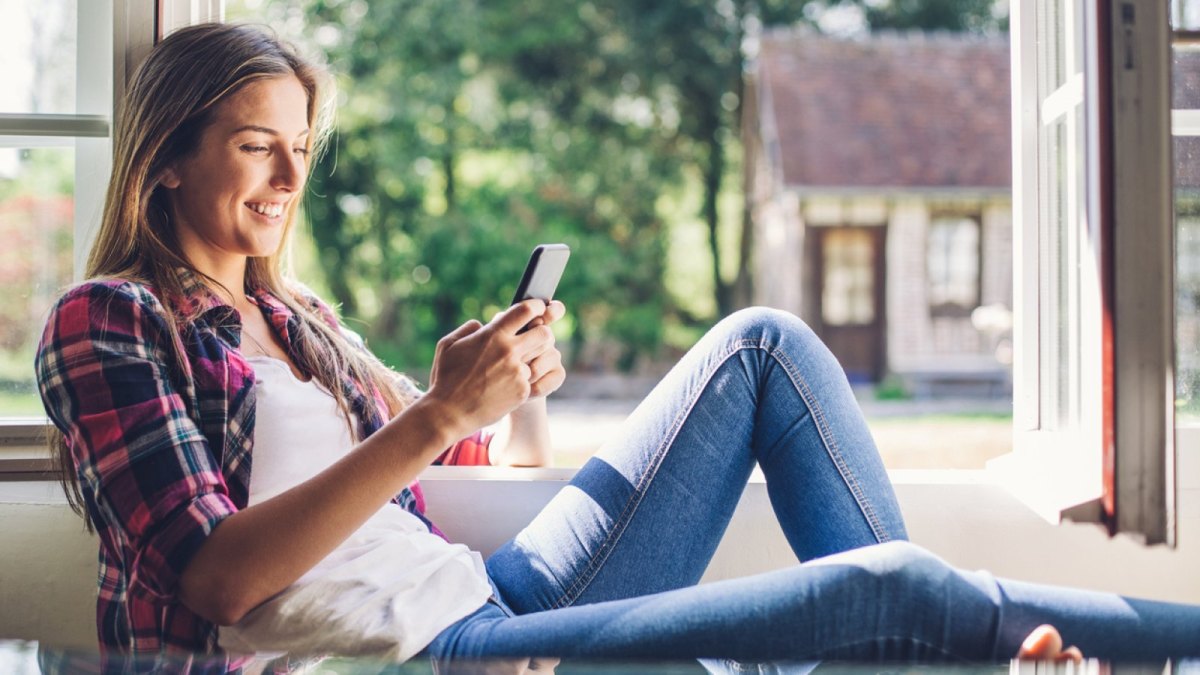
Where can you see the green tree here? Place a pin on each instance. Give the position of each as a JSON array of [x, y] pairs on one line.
[[950, 15], [454, 156], [471, 131]]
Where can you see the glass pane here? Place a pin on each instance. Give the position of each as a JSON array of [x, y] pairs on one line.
[[37, 208], [1187, 276], [1185, 80], [1052, 59], [1060, 186], [847, 293], [1187, 292], [1053, 313], [1185, 14], [37, 48], [953, 262]]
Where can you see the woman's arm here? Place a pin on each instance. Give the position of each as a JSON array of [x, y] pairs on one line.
[[260, 550], [523, 436], [480, 374]]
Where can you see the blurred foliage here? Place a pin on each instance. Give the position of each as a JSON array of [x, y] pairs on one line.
[[36, 215], [471, 131], [979, 16]]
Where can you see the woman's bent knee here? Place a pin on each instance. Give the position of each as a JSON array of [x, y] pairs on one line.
[[764, 324], [896, 563]]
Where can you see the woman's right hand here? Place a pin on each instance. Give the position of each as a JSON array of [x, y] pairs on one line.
[[481, 372]]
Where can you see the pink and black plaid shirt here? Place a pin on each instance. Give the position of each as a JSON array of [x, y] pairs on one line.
[[163, 449]]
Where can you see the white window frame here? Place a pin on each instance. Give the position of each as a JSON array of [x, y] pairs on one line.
[[127, 29], [1120, 362]]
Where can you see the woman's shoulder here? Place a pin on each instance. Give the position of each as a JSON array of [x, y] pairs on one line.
[[112, 289], [107, 302]]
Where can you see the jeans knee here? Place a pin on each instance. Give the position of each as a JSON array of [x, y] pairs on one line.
[[904, 566], [764, 323]]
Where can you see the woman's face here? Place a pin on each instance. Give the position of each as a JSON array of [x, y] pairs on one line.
[[230, 198]]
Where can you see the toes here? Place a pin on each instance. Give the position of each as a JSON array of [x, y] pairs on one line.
[[1043, 643]]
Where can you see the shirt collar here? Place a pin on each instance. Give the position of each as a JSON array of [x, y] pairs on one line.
[[211, 308], [196, 296]]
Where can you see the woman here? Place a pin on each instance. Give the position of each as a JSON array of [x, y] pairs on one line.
[[189, 357]]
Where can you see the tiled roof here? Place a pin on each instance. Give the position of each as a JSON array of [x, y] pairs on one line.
[[898, 111]]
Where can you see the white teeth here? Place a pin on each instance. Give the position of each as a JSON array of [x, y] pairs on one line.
[[268, 210]]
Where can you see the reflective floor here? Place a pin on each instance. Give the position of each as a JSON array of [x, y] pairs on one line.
[[27, 658]]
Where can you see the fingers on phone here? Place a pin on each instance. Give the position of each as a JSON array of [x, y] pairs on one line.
[[516, 317]]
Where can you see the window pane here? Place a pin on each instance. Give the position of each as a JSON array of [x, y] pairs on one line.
[[1185, 14], [1052, 61], [848, 288], [953, 263], [36, 215], [37, 48], [1053, 323], [1186, 148]]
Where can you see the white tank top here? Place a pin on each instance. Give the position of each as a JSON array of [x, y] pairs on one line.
[[389, 589]]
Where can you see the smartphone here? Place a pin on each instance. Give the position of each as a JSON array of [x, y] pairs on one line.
[[545, 268]]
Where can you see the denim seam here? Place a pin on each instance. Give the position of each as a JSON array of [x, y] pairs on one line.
[[584, 579], [830, 443]]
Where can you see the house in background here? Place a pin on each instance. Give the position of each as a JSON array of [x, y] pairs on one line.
[[879, 179]]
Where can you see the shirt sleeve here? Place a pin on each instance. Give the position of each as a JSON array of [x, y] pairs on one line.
[[146, 471], [470, 451]]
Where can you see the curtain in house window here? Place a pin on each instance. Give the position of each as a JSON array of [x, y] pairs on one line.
[[953, 265]]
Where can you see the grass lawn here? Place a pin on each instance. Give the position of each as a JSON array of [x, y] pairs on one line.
[[942, 441], [934, 441]]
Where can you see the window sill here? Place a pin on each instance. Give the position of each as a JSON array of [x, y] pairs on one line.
[[23, 454], [23, 431]]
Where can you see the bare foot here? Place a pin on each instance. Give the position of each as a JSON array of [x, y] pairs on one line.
[[1045, 644]]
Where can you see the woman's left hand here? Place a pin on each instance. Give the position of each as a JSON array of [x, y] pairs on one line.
[[546, 372]]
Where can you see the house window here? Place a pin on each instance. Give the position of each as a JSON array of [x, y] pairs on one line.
[[848, 291], [953, 266]]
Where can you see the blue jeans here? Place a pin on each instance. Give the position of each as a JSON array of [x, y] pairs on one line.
[[610, 566]]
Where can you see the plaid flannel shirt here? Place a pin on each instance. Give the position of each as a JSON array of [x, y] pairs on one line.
[[163, 449]]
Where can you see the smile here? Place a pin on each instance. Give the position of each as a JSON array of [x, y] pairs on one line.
[[267, 209]]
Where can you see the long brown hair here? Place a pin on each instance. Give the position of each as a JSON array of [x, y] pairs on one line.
[[168, 106]]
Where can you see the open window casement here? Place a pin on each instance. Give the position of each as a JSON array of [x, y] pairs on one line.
[[1093, 259], [111, 38]]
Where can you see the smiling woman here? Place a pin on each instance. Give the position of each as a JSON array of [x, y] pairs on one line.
[[229, 196], [233, 196]]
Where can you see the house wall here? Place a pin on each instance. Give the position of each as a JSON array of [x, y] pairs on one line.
[[910, 331], [920, 342], [916, 341], [779, 255]]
